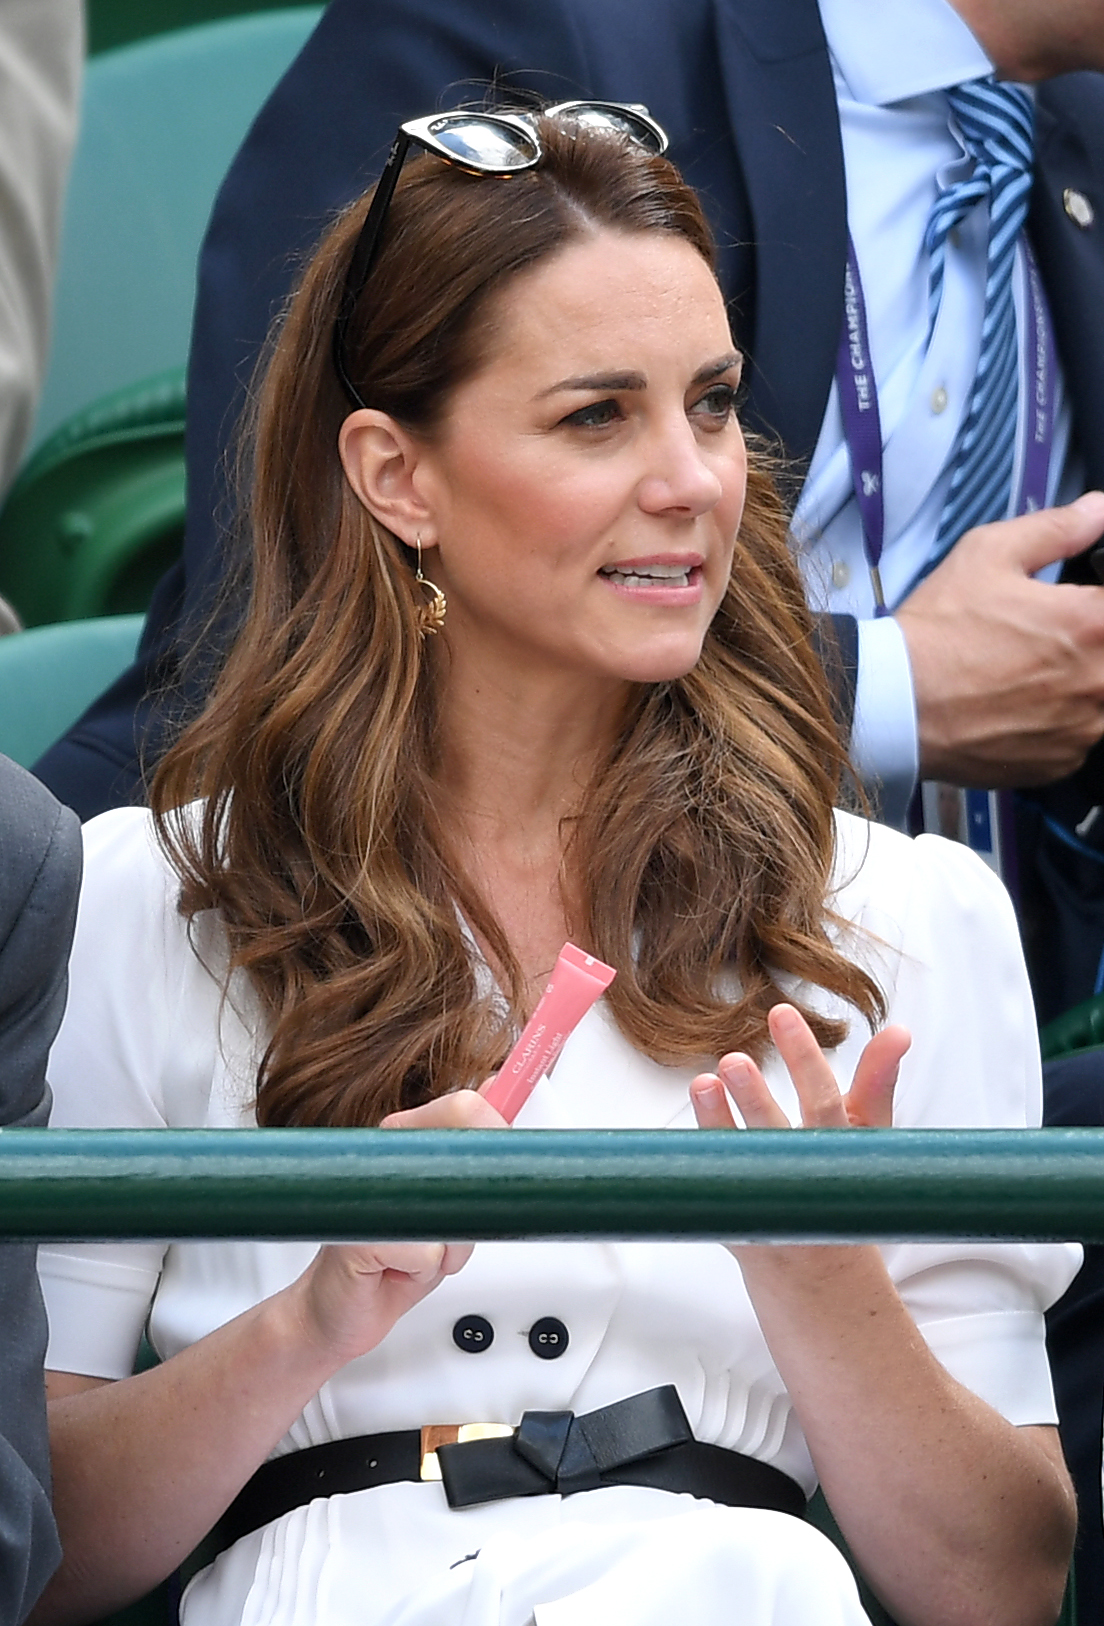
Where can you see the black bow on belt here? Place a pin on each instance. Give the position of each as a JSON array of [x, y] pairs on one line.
[[557, 1451]]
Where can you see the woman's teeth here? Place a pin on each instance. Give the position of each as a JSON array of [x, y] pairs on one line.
[[648, 575]]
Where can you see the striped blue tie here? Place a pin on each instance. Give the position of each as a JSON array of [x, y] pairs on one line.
[[997, 126]]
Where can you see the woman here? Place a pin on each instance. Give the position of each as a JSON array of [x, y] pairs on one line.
[[526, 659]]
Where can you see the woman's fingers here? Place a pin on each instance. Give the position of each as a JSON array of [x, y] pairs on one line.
[[456, 1257], [711, 1108], [747, 1087], [822, 1105], [369, 1267], [353, 1293], [869, 1102], [423, 1263], [460, 1109]]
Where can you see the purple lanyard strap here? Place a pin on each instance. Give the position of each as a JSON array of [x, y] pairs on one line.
[[862, 424], [1039, 426], [858, 398]]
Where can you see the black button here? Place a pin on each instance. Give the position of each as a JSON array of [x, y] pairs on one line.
[[548, 1338], [473, 1334]]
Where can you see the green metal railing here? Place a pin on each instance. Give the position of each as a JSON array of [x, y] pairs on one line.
[[821, 1185]]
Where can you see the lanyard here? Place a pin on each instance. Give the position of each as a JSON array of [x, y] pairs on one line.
[[862, 430], [1039, 428], [862, 424]]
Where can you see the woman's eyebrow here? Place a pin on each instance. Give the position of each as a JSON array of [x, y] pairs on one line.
[[615, 382], [714, 369], [598, 381]]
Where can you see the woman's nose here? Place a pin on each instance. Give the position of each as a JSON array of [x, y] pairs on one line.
[[678, 478]]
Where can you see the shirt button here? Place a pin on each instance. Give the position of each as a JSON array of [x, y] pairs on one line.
[[548, 1338], [841, 573], [939, 400], [473, 1334], [1078, 207]]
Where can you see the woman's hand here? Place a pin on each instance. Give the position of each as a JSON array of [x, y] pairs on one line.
[[868, 1104], [352, 1294], [216, 1410], [897, 1443]]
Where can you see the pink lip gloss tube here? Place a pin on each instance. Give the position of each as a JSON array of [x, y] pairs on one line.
[[577, 980]]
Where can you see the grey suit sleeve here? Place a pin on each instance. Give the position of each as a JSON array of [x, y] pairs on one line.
[[40, 860]]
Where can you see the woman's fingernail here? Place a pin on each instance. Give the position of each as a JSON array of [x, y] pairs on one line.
[[734, 1069], [709, 1093]]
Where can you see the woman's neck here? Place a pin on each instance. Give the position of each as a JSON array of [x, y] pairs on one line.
[[517, 756], [520, 748]]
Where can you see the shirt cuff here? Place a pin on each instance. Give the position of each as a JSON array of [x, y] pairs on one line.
[[885, 746]]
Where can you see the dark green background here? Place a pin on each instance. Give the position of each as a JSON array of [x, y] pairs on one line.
[[115, 22]]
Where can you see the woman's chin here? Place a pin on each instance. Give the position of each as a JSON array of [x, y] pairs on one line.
[[661, 666]]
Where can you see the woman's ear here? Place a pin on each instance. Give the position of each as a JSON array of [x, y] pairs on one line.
[[380, 458]]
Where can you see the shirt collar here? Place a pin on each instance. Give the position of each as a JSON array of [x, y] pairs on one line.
[[887, 50]]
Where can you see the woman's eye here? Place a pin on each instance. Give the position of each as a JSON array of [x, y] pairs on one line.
[[718, 404], [595, 416]]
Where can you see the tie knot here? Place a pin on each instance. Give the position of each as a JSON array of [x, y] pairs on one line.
[[997, 122]]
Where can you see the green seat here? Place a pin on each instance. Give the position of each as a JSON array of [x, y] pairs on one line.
[[160, 122], [118, 22], [49, 675], [97, 515]]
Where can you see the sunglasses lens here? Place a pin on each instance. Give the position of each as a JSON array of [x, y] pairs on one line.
[[484, 144], [621, 120]]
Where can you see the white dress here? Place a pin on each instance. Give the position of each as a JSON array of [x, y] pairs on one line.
[[149, 1041]]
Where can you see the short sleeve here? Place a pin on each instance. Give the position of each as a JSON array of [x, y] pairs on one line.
[[134, 1052], [960, 986]]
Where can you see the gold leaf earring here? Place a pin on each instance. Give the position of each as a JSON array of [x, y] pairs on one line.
[[431, 615]]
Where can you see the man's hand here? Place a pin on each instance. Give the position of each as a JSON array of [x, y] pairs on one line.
[[1009, 671]]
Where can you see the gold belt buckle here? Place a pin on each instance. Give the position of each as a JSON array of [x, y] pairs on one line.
[[435, 1434]]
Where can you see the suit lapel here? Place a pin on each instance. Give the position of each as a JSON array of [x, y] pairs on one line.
[[1070, 156], [785, 124]]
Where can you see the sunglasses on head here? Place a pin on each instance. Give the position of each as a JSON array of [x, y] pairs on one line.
[[481, 144]]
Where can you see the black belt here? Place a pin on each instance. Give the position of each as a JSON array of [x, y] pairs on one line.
[[645, 1440]]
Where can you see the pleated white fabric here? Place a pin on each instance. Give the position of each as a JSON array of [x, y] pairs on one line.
[[398, 1557]]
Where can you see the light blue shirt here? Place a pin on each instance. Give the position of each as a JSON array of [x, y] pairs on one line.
[[892, 63]]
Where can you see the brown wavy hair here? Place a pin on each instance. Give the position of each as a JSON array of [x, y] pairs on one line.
[[703, 848]]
